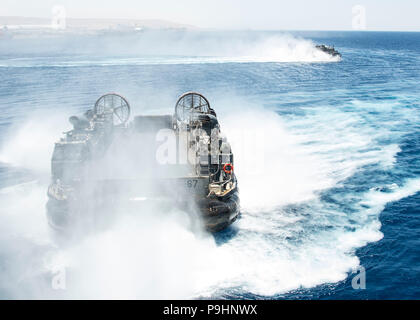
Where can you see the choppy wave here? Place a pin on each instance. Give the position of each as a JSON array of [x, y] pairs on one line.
[[288, 236], [279, 49]]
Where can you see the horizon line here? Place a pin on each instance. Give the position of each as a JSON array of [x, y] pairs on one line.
[[220, 28]]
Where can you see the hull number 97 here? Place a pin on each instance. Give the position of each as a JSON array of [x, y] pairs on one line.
[[191, 183]]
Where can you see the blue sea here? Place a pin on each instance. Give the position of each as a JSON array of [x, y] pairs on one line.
[[326, 155]]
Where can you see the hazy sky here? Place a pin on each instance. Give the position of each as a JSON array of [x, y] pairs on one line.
[[236, 14]]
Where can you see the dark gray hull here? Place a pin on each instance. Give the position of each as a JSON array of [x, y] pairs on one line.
[[214, 214], [218, 214]]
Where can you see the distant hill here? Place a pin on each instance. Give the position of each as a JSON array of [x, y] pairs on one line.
[[94, 24]]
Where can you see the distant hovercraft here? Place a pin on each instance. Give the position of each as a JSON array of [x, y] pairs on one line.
[[328, 50]]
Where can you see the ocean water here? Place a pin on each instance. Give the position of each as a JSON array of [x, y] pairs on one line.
[[326, 154]]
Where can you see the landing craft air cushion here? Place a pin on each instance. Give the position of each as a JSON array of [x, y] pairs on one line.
[[106, 159], [328, 50]]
